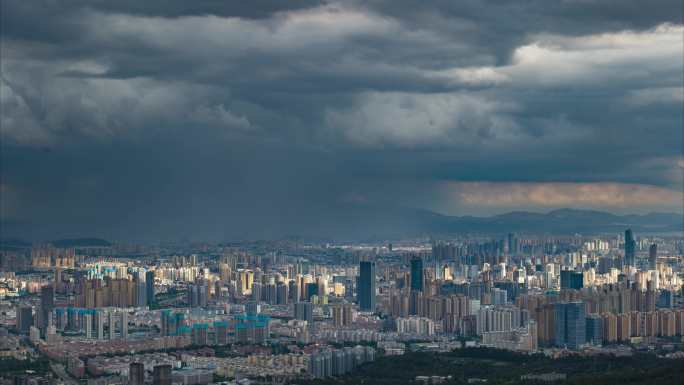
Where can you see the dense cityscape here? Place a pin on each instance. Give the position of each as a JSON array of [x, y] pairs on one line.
[[278, 312]]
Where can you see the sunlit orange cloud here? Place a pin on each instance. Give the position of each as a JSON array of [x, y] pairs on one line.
[[557, 194]]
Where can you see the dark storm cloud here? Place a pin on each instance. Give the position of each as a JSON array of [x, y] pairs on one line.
[[55, 16], [151, 119], [499, 26]]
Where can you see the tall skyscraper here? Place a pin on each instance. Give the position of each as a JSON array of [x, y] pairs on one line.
[[311, 290], [199, 334], [366, 286], [338, 320], [99, 324], [653, 256], [630, 248], [252, 308], [198, 293], [124, 325], [594, 326], [293, 291], [136, 374], [88, 325], [140, 289], [570, 324], [47, 303], [571, 279], [161, 375], [304, 312], [512, 243], [24, 319], [112, 325], [58, 278], [281, 293], [416, 274], [257, 291], [149, 287], [342, 315]]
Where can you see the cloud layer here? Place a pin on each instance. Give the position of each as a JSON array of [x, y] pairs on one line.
[[209, 114], [616, 196]]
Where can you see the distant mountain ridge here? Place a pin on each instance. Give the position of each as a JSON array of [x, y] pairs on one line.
[[15, 243], [412, 222], [369, 222], [571, 221], [81, 242]]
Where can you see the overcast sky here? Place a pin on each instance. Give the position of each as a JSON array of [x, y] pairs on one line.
[[214, 119]]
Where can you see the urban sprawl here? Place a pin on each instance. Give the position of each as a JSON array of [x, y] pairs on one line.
[[282, 311]]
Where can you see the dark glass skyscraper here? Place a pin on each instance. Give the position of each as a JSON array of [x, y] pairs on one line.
[[416, 274], [653, 257], [571, 279], [136, 374], [47, 303], [366, 286], [594, 327], [311, 290], [24, 318], [149, 287], [161, 375], [570, 324], [512, 243], [630, 248]]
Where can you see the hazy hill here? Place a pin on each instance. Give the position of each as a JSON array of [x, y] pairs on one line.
[[369, 222], [81, 242]]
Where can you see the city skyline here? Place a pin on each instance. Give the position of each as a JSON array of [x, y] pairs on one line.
[[582, 307]]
